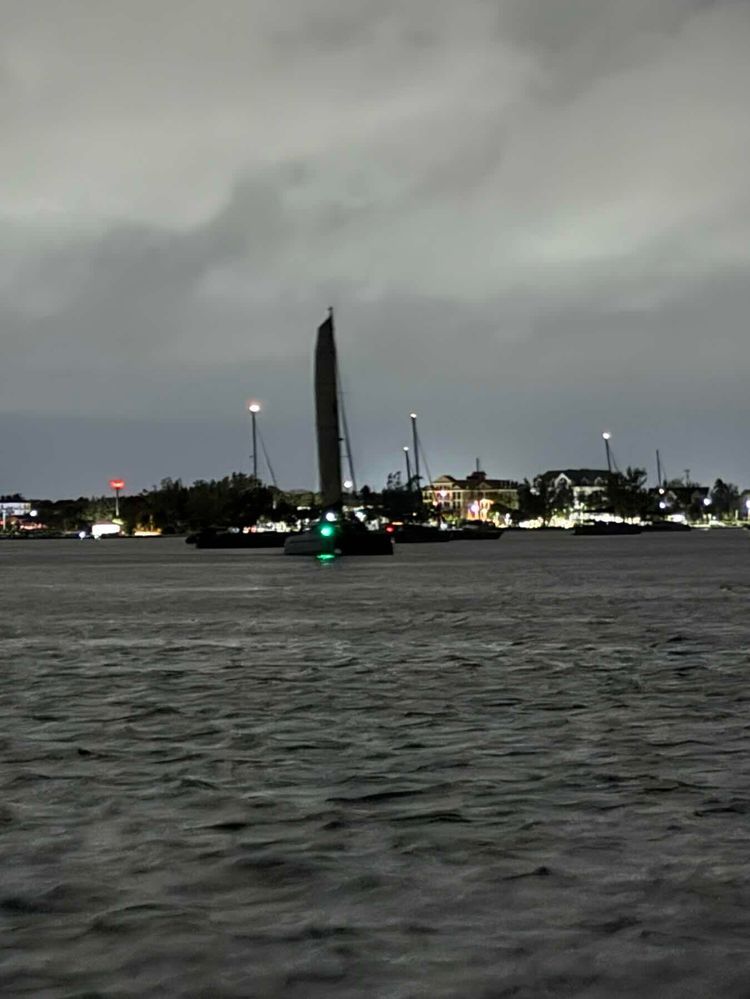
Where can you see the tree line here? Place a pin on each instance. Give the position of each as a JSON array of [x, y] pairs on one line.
[[625, 495], [240, 500]]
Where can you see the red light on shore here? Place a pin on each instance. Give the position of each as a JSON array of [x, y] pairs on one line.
[[117, 484]]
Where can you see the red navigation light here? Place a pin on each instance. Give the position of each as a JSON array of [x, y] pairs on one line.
[[117, 484], [390, 529]]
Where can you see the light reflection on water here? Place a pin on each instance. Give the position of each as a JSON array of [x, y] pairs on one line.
[[515, 768]]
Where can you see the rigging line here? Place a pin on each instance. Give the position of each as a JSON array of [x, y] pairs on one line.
[[345, 427], [268, 460], [426, 465]]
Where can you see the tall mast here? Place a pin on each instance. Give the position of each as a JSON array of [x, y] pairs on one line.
[[327, 417]]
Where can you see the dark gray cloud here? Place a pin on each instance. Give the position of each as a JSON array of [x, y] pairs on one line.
[[531, 218]]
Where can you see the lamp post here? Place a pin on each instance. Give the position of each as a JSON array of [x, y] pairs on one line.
[[254, 409], [117, 485], [408, 467], [605, 437]]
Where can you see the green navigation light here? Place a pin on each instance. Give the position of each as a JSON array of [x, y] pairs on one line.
[[327, 530], [325, 558]]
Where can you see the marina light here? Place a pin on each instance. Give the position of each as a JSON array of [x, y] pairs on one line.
[[254, 407], [327, 530], [331, 516], [116, 484], [707, 501], [606, 435], [413, 416], [348, 484]]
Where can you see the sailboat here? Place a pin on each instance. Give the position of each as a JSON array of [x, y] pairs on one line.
[[334, 534]]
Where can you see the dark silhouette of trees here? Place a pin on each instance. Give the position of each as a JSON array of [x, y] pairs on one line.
[[626, 493], [725, 500]]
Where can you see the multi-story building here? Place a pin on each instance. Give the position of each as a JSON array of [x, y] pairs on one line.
[[585, 484], [471, 498]]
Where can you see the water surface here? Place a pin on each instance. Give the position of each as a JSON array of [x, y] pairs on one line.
[[482, 769]]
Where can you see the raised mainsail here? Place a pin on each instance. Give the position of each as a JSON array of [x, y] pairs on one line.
[[327, 417], [335, 534]]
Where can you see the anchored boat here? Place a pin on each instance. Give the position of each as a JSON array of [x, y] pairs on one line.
[[334, 534]]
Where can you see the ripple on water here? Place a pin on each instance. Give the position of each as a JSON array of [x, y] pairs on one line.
[[498, 770]]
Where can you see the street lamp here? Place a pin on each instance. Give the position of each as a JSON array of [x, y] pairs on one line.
[[606, 437], [254, 409]]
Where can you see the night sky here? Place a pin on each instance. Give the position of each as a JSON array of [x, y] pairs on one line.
[[532, 218]]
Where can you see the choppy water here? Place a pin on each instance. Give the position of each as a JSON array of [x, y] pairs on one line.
[[516, 768]]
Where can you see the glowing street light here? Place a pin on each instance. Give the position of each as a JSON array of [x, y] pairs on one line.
[[606, 438], [254, 409]]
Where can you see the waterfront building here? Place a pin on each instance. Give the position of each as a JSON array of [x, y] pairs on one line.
[[586, 485], [472, 498]]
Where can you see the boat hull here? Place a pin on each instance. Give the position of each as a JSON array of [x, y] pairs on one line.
[[417, 534], [606, 529], [232, 539], [472, 534], [347, 543]]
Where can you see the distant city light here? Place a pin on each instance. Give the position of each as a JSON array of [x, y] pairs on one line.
[[100, 530], [707, 501], [331, 516]]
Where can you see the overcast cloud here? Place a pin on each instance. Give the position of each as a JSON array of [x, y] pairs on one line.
[[531, 216]]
